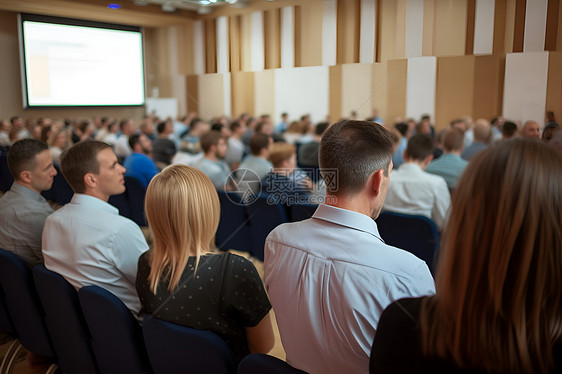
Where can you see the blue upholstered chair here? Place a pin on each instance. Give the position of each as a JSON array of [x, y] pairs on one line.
[[6, 179], [7, 327], [135, 195], [258, 363], [65, 322], [24, 307], [300, 212], [116, 335], [234, 230], [178, 349], [60, 192], [415, 234], [264, 215]]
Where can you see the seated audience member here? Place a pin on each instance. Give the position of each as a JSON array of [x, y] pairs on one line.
[[531, 130], [281, 127], [163, 149], [498, 302], [147, 128], [58, 142], [236, 148], [497, 124], [190, 140], [331, 276], [450, 165], [295, 132], [556, 140], [139, 165], [111, 137], [549, 130], [212, 164], [5, 128], [122, 147], [182, 282], [398, 155], [87, 241], [308, 153], [414, 191], [285, 183], [509, 130], [482, 137], [22, 209], [257, 161]]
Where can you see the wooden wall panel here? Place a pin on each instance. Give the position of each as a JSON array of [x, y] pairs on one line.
[[335, 100], [455, 92], [552, 17], [235, 44], [379, 90], [210, 46], [397, 75], [192, 86], [245, 42], [308, 33], [211, 96], [488, 86], [559, 37], [349, 31], [470, 22], [554, 84], [450, 27], [184, 48], [264, 91], [500, 20], [428, 41], [356, 89], [242, 93], [272, 37], [519, 25], [387, 12]]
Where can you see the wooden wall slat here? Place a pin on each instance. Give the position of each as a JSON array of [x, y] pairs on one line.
[[210, 46], [519, 25]]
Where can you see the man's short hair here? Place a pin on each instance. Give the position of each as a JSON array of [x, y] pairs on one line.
[[79, 160], [161, 127], [209, 139], [258, 142], [453, 140], [235, 125], [123, 123], [194, 123], [508, 129], [419, 147], [355, 149], [21, 155], [133, 140], [281, 151], [321, 128], [259, 127]]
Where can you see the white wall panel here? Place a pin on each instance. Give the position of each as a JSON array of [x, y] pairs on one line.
[[356, 90], [484, 26], [367, 34], [329, 33], [222, 45], [227, 93], [287, 37], [421, 86], [256, 42], [524, 94], [198, 48], [414, 28], [535, 25]]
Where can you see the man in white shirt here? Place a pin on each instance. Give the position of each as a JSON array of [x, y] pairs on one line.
[[331, 276], [87, 241], [122, 147], [414, 191], [212, 164]]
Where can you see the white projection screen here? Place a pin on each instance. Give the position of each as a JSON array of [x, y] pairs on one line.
[[72, 63]]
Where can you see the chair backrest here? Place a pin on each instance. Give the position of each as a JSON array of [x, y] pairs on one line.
[[258, 363], [415, 234], [178, 349], [6, 178], [264, 215], [300, 212], [66, 324], [23, 304], [6, 325], [135, 195], [234, 230], [122, 203], [60, 191], [116, 335]]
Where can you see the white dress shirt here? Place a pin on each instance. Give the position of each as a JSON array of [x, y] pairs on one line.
[[89, 243], [329, 278], [414, 191], [122, 148]]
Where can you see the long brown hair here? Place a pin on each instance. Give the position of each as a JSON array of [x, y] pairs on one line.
[[498, 306], [182, 208]]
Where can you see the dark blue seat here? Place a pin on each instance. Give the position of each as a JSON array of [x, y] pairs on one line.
[[300, 212], [178, 349], [234, 230], [258, 363], [60, 192], [116, 335], [121, 203], [131, 202], [413, 233], [7, 327], [6, 178], [23, 305], [264, 216], [66, 324]]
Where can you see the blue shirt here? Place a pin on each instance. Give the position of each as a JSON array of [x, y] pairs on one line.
[[449, 166], [140, 167], [472, 150]]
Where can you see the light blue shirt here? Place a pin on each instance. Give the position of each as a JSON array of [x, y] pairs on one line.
[[217, 171], [329, 278], [258, 165], [89, 243], [448, 166]]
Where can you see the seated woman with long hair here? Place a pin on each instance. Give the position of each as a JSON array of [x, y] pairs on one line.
[[498, 306], [182, 282]]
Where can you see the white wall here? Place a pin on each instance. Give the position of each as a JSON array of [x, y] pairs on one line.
[[421, 86]]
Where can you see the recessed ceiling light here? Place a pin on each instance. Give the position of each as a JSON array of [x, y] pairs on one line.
[[114, 6]]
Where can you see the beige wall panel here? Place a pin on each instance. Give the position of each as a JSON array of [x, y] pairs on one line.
[[234, 40], [386, 46], [160, 60], [245, 42], [554, 84], [264, 93], [470, 25], [510, 7], [272, 36], [400, 29], [455, 91], [552, 17], [397, 81], [211, 96], [210, 46], [348, 31], [428, 41], [500, 19], [185, 48], [450, 27], [519, 25], [335, 99], [308, 33], [379, 90], [356, 89], [192, 86], [243, 93], [488, 86], [559, 37]]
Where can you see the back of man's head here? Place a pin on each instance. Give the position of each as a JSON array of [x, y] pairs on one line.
[[258, 142], [453, 140], [21, 155], [419, 147], [79, 160], [161, 127], [321, 128], [482, 131], [134, 140], [280, 152], [355, 149], [210, 139], [508, 129]]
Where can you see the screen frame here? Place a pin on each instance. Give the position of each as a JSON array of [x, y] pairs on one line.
[[22, 17]]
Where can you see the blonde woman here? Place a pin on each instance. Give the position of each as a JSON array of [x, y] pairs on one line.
[[498, 307], [58, 142], [181, 281]]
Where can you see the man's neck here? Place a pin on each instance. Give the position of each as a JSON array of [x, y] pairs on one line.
[[354, 203], [454, 152], [28, 186], [211, 157]]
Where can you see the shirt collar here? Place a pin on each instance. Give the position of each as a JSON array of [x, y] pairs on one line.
[[94, 202], [28, 193], [347, 218], [410, 167]]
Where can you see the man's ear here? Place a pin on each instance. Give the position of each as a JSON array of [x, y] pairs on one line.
[[428, 159], [90, 180], [25, 176], [375, 181]]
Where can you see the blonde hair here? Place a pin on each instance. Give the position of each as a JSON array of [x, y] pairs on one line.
[[279, 152], [183, 211], [498, 306]]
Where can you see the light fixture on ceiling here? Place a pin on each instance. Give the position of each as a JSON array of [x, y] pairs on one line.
[[169, 6], [140, 2]]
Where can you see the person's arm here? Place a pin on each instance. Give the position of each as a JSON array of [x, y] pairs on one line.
[[260, 337]]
